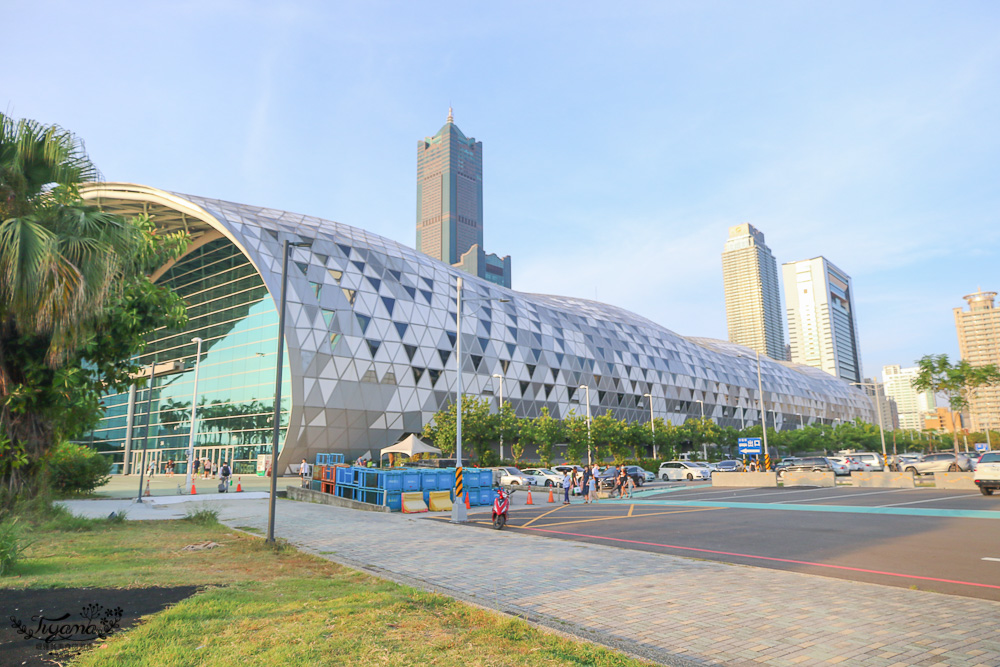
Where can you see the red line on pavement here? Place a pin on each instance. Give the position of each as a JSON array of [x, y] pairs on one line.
[[770, 558]]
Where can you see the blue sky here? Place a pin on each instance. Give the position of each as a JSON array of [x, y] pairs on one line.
[[621, 140]]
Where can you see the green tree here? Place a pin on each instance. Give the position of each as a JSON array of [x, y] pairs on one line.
[[479, 429], [608, 432], [668, 439], [957, 381], [638, 439], [577, 439], [544, 431], [75, 299], [508, 431], [701, 432]]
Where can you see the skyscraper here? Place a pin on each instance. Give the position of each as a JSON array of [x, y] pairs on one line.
[[450, 203], [822, 325], [910, 403], [979, 344], [753, 298]]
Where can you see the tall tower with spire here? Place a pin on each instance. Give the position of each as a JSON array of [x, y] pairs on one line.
[[449, 193], [450, 203]]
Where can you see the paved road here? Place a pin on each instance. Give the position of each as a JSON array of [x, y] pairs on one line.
[[939, 553]]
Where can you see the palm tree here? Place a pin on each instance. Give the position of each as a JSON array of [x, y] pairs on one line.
[[61, 263]]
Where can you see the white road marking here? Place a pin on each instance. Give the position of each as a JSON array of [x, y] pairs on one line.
[[852, 495], [993, 559], [929, 500]]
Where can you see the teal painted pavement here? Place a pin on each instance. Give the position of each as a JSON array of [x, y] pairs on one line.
[[846, 509]]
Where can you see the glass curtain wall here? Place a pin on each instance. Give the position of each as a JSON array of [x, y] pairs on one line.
[[230, 309]]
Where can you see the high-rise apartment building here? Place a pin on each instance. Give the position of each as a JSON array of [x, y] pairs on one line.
[[888, 415], [822, 325], [450, 203], [979, 344], [910, 403], [753, 297]]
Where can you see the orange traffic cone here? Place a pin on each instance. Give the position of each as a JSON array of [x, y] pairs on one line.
[[551, 497], [147, 493], [193, 491], [467, 505], [239, 485], [529, 498]]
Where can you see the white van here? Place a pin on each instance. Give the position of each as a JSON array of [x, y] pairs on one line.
[[872, 459]]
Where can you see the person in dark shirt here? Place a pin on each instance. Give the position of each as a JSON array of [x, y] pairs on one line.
[[586, 485]]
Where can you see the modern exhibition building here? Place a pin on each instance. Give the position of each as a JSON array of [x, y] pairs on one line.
[[370, 346]]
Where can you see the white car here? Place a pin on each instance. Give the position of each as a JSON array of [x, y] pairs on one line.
[[511, 476], [987, 475], [840, 468], [544, 476], [681, 470]]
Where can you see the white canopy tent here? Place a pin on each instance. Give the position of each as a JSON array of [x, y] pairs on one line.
[[410, 445]]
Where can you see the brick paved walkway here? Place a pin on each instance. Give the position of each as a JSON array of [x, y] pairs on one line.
[[678, 611]]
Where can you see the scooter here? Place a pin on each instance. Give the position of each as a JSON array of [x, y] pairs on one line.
[[500, 506]]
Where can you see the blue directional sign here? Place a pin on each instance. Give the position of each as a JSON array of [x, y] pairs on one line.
[[982, 447], [750, 445]]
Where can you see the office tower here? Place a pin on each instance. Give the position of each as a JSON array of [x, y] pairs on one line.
[[753, 297], [822, 325], [450, 204], [888, 411], [910, 403], [979, 344]]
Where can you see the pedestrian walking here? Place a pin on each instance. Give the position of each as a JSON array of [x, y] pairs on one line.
[[170, 468], [630, 482], [208, 469], [304, 473], [567, 482], [622, 477], [195, 466], [586, 486], [595, 483]]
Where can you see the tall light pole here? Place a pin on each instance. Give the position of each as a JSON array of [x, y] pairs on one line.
[[878, 409], [194, 407], [763, 412], [458, 511], [702, 405], [652, 424], [587, 387], [499, 376], [277, 382], [145, 436]]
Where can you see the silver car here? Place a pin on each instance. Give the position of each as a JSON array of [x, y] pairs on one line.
[[511, 476], [941, 462]]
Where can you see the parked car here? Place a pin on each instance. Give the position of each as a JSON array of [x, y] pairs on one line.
[[561, 470], [607, 478], [807, 464], [544, 476], [646, 475], [987, 476], [874, 461], [511, 476], [785, 462], [729, 466], [840, 465], [680, 470], [940, 462]]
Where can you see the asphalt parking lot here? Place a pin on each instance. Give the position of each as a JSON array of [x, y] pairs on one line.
[[946, 541]]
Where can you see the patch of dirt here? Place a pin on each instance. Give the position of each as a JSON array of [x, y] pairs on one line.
[[72, 619], [201, 546]]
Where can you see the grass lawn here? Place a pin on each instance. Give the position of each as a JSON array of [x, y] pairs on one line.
[[274, 606]]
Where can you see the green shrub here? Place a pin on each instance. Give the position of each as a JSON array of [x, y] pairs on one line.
[[11, 545], [76, 469], [202, 517]]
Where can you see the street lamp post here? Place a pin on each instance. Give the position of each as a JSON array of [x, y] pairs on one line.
[[145, 435], [458, 511], [277, 382], [587, 387], [763, 412], [652, 424], [499, 376], [878, 409], [194, 402]]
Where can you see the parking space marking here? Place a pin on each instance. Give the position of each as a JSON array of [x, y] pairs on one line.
[[619, 517], [771, 493], [931, 500], [556, 509], [846, 509], [631, 508], [771, 558], [993, 559], [850, 495]]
